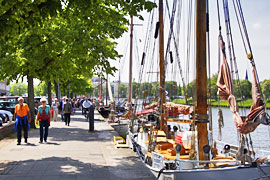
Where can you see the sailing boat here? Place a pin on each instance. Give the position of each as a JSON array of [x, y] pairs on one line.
[[173, 155], [121, 127]]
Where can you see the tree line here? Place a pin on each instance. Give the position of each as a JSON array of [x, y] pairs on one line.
[[242, 89]]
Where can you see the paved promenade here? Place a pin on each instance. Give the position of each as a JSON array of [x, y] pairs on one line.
[[71, 153]]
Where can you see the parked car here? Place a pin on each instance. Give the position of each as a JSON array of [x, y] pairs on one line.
[[1, 122], [3, 117], [8, 106], [8, 115]]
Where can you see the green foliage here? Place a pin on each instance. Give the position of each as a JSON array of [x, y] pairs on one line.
[[266, 88], [155, 89], [18, 89], [123, 90], [213, 86], [191, 88], [136, 90], [179, 101], [244, 90], [41, 89], [146, 89], [62, 42], [172, 88], [17, 16]]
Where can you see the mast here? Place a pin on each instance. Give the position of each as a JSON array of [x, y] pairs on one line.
[[201, 77], [107, 89], [130, 73], [118, 93], [101, 88], [130, 64], [161, 62]]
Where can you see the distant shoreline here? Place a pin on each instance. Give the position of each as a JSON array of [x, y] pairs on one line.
[[224, 104]]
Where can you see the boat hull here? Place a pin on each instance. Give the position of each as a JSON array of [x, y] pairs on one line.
[[237, 173], [223, 173], [104, 112], [121, 129]]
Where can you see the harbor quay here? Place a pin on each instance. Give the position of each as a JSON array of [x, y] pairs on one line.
[[71, 152]]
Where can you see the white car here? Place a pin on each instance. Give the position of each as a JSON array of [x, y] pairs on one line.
[[8, 114]]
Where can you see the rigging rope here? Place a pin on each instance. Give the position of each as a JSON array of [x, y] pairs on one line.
[[147, 45], [231, 50], [188, 38], [171, 30], [177, 53], [209, 76]]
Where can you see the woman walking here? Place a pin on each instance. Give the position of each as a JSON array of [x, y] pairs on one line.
[[55, 109], [44, 115]]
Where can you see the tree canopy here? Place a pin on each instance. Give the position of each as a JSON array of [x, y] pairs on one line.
[[18, 89], [62, 41]]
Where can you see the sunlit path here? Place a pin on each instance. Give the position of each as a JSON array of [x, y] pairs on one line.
[[71, 153]]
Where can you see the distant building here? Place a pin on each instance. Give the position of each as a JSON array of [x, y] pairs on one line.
[[4, 89]]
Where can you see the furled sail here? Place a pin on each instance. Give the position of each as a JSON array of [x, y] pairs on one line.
[[257, 113]]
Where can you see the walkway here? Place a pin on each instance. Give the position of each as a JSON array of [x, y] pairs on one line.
[[71, 153]]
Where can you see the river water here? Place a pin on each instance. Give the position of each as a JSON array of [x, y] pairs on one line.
[[260, 137]]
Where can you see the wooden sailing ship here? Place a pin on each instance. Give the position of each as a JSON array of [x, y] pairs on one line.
[[190, 154]]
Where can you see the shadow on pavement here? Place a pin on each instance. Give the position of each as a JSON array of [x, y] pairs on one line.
[[67, 168]]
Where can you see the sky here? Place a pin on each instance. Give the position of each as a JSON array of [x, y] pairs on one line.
[[256, 15]]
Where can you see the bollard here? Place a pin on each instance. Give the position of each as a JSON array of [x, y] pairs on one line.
[[91, 118]]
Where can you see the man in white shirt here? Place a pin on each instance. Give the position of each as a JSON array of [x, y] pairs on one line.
[[86, 105]]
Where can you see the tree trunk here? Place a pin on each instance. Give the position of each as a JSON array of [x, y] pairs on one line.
[[64, 90], [56, 89], [31, 103], [50, 93]]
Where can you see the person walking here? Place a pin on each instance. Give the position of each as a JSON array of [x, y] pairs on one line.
[[55, 106], [86, 105], [44, 115], [61, 108], [82, 101], [67, 111], [22, 119]]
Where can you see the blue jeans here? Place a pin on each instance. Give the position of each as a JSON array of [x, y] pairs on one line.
[[46, 125]]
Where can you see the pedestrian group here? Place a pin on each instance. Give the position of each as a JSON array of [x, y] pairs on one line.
[[45, 114]]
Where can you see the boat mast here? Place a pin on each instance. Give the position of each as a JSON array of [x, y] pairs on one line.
[[119, 86], [107, 89], [130, 73], [161, 62], [101, 88], [201, 77], [130, 64]]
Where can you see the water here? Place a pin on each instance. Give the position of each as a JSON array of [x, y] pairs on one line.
[[260, 137]]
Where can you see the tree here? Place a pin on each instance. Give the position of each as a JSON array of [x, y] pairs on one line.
[[18, 89], [244, 90], [123, 90], [171, 88], [266, 88], [156, 89], [52, 41], [191, 88], [213, 86], [146, 89], [41, 89], [136, 90]]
